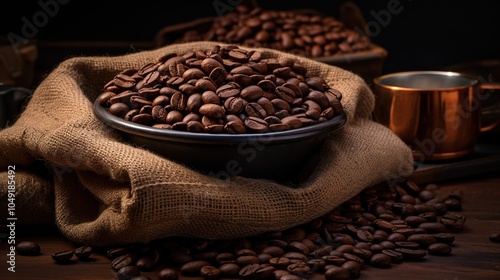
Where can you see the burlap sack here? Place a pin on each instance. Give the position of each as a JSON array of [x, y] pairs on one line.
[[106, 191]]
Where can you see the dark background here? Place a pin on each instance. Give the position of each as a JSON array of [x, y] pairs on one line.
[[424, 35]]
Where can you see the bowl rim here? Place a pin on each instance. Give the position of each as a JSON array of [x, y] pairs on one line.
[[170, 135]]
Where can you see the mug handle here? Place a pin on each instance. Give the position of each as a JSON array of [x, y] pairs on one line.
[[490, 86]]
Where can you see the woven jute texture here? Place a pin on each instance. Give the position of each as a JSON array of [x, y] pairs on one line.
[[102, 190]]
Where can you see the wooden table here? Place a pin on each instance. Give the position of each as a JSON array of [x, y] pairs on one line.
[[474, 256]]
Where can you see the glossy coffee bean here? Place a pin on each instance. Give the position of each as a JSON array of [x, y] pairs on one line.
[[63, 256], [231, 81], [440, 249], [494, 237], [83, 252], [168, 274]]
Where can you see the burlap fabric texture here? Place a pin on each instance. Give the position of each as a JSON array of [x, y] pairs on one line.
[[104, 191]]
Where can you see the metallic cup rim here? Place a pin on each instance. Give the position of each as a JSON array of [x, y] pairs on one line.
[[382, 81]]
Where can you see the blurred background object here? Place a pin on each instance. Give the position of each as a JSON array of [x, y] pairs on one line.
[[418, 35], [17, 63], [486, 71]]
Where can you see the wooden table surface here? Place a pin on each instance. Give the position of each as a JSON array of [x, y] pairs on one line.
[[474, 256]]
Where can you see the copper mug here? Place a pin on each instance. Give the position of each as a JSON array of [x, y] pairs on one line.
[[436, 113]]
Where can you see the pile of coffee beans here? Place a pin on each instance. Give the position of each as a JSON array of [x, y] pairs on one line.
[[221, 90], [296, 32], [379, 227]]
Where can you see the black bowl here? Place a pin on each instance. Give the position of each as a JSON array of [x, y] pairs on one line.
[[270, 155]]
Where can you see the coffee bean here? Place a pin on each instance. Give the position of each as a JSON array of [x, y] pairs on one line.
[[424, 239], [249, 271], [127, 272], [83, 252], [123, 260], [337, 273], [246, 260], [28, 248], [353, 267], [168, 274], [381, 260], [229, 270], [124, 81], [413, 254], [210, 272], [63, 256], [193, 268], [494, 237], [232, 77], [396, 256], [441, 249], [433, 227], [140, 277], [145, 263]]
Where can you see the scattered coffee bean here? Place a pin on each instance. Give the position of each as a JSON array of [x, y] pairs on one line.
[[168, 274], [63, 256], [83, 252], [495, 237], [371, 229], [128, 272], [441, 249], [28, 248]]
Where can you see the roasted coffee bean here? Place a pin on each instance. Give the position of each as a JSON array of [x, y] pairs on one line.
[[280, 262], [168, 274], [104, 98], [229, 270], [123, 260], [424, 239], [396, 256], [316, 265], [433, 227], [246, 260], [412, 253], [231, 73], [235, 127], [210, 272], [299, 268], [28, 248], [441, 249], [116, 252], [249, 271], [124, 81], [353, 267], [145, 263], [141, 277], [83, 252], [444, 237], [381, 260], [127, 272], [274, 251], [119, 109], [63, 256], [212, 110], [255, 124], [335, 273], [193, 268], [332, 259], [279, 273], [264, 258], [494, 237]]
